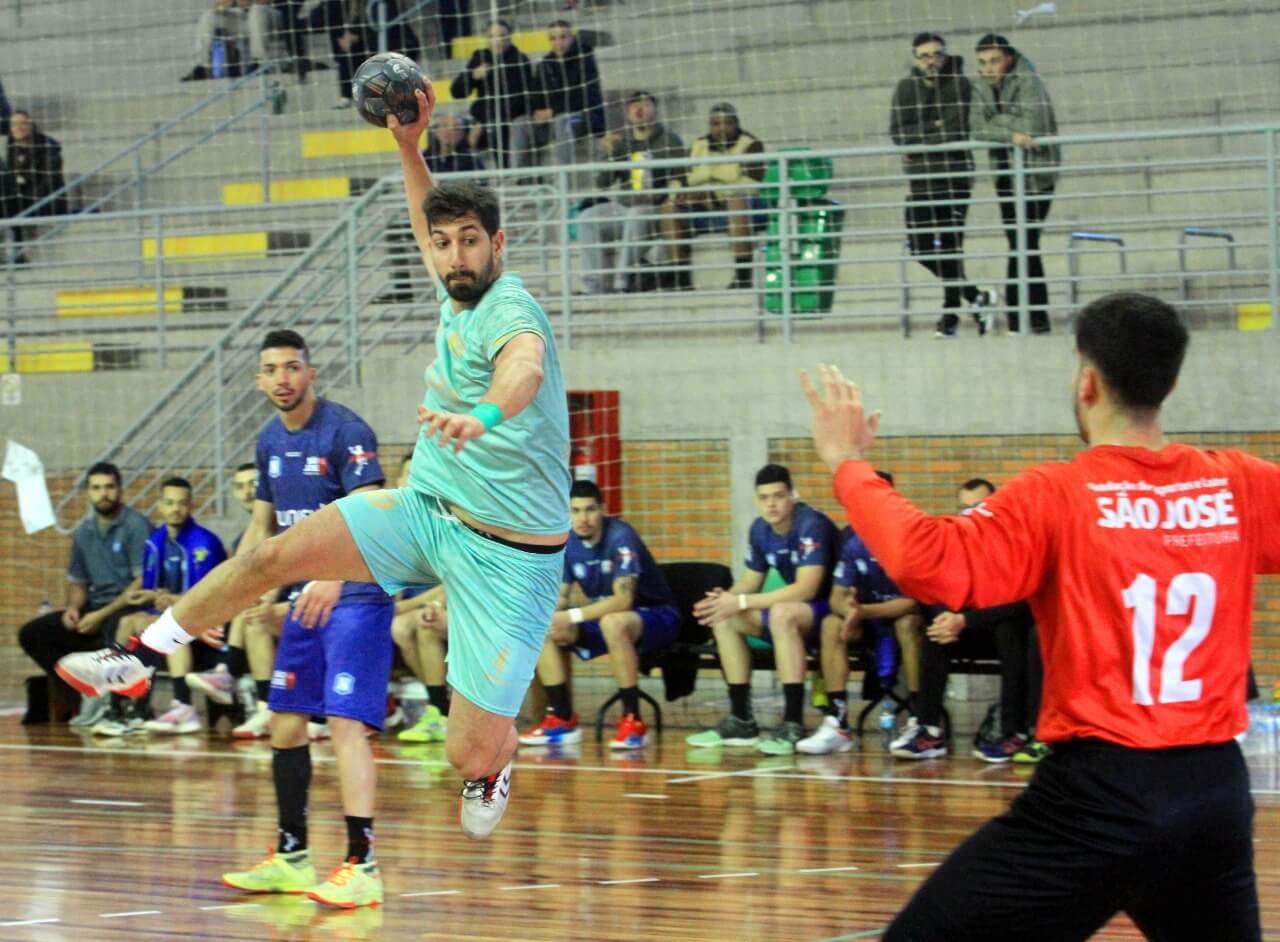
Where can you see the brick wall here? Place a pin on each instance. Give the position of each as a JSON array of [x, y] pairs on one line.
[[676, 495]]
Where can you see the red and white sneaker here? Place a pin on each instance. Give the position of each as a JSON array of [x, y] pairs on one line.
[[483, 803], [218, 684], [553, 731], [109, 670], [632, 734]]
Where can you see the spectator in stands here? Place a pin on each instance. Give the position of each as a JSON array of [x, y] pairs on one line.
[[631, 217], [448, 148], [454, 17], [628, 610], [220, 31], [180, 552], [1011, 638], [570, 102], [34, 161], [799, 543], [107, 550], [931, 106], [1011, 105], [720, 189], [506, 93], [4, 112], [352, 40], [862, 596]]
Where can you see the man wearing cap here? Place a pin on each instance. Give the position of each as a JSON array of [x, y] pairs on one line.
[[632, 215], [716, 189], [1012, 106], [931, 106]]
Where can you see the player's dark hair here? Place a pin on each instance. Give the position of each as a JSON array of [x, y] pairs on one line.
[[774, 474], [561, 24], [246, 466], [176, 482], [104, 467], [922, 38], [286, 338], [449, 202], [994, 41], [587, 490], [885, 476], [1137, 343], [974, 483]]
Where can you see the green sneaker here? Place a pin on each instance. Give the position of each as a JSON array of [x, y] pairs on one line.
[[278, 873], [430, 727], [1031, 753], [730, 731], [351, 885], [782, 741]]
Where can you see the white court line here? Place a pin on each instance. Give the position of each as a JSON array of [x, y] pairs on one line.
[[647, 795], [136, 912], [28, 922], [932, 863], [532, 886], [625, 882], [726, 876], [107, 801], [433, 893], [738, 773], [828, 869], [207, 909]]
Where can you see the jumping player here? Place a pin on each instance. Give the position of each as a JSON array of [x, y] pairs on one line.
[[1137, 558]]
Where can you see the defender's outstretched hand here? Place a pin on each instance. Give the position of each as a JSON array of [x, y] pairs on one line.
[[841, 430]]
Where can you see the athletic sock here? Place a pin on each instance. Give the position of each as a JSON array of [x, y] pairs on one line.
[[165, 634], [438, 697], [359, 839], [291, 770], [793, 698], [558, 700], [144, 652], [237, 661], [630, 697], [740, 701], [838, 706], [181, 692], [263, 690]]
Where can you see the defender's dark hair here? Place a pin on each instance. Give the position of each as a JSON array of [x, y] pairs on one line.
[[1137, 343], [285, 338], [176, 482], [885, 476], [774, 474], [449, 202], [974, 483], [586, 489], [246, 466], [104, 467]]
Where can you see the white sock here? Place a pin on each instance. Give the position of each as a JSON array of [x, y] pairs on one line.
[[165, 634]]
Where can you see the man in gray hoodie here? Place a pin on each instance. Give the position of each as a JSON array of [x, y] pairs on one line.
[[1011, 106]]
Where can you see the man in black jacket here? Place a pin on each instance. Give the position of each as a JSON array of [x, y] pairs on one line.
[[502, 78], [570, 101], [931, 106]]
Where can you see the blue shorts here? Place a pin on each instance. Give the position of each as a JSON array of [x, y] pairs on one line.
[[820, 608], [339, 669], [660, 626], [501, 598]]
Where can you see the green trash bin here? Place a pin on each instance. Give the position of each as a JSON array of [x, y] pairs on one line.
[[807, 177], [815, 257]]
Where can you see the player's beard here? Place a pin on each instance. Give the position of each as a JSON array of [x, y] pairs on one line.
[[107, 507], [472, 289]]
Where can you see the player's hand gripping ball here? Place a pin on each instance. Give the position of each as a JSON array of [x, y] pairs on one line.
[[384, 85]]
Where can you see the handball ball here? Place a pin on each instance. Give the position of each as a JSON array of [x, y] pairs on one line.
[[384, 85]]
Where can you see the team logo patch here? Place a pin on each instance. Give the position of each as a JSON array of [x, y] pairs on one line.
[[862, 566], [201, 554], [360, 458], [771, 559], [808, 545], [284, 680], [274, 467], [344, 684], [579, 571], [606, 567], [316, 466]]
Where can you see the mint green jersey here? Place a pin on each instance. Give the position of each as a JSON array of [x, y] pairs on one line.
[[517, 474]]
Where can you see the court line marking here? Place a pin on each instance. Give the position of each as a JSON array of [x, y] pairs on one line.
[[865, 934], [433, 893], [626, 882], [532, 886], [828, 869], [650, 796], [109, 802], [136, 912], [28, 922], [727, 876], [737, 773], [912, 866]]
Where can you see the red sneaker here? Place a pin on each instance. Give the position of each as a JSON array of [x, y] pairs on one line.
[[632, 734], [553, 731]]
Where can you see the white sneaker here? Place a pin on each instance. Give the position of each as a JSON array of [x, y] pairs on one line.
[[118, 727], [828, 738], [92, 710], [257, 726], [217, 684], [317, 731], [483, 803], [108, 670], [179, 718], [908, 733]]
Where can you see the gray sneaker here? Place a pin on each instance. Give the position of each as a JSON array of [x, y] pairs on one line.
[[92, 709], [730, 731], [782, 741]]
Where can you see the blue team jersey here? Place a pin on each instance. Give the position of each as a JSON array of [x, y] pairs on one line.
[[329, 457], [858, 569], [618, 553], [811, 541], [516, 475]]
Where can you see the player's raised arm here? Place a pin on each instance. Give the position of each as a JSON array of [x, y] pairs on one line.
[[417, 178]]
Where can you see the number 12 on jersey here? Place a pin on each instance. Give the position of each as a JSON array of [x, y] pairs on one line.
[[1193, 592]]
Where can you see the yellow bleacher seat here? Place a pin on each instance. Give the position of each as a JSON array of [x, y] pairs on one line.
[[116, 302], [528, 42], [51, 356], [287, 191], [195, 248], [349, 143], [1253, 316]]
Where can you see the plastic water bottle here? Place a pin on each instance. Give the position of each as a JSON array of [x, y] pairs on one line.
[[218, 57], [45, 608], [888, 710]]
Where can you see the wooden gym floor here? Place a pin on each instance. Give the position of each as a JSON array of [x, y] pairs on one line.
[[124, 839]]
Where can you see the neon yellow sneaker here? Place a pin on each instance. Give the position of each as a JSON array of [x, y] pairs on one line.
[[278, 873], [349, 886], [430, 727]]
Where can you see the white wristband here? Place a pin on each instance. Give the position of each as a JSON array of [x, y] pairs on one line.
[[742, 602], [575, 616]]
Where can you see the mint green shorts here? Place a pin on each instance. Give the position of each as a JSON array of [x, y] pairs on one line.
[[500, 598]]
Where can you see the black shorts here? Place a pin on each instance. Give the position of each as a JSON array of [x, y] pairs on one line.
[[1163, 835]]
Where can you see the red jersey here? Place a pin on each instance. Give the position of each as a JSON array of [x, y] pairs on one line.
[[1138, 566]]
